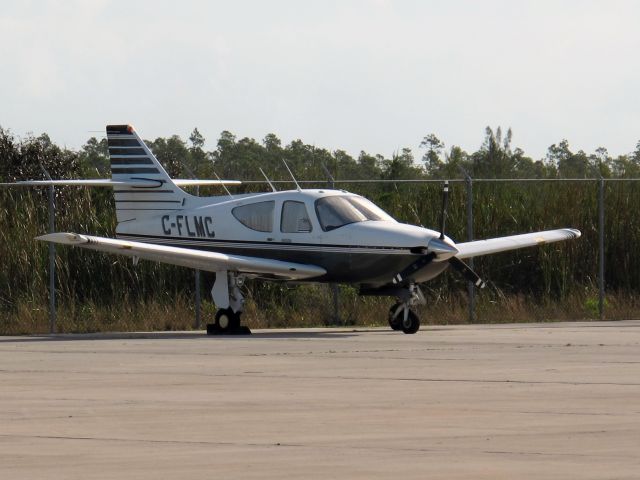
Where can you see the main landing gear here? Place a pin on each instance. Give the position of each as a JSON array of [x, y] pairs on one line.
[[228, 298], [401, 316]]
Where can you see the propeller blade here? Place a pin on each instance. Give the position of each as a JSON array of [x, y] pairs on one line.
[[439, 251], [468, 273], [423, 261], [445, 202]]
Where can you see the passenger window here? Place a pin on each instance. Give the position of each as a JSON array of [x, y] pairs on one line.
[[256, 216], [294, 218]]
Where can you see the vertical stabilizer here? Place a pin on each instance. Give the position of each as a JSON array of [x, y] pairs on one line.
[[152, 192]]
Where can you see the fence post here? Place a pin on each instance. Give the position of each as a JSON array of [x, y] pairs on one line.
[[601, 247], [198, 322], [335, 291], [52, 263], [470, 286]]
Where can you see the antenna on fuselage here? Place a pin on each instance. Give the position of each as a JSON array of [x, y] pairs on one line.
[[290, 173], [45, 172], [332, 181], [223, 185], [221, 182], [273, 189]]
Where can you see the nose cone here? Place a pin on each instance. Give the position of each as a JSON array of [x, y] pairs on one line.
[[442, 249]]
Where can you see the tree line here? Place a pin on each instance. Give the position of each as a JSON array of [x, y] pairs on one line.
[[548, 274], [240, 158]]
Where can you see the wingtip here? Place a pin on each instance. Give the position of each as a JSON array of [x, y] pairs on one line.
[[575, 232], [65, 238]]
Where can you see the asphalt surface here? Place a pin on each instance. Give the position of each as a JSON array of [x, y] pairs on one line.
[[507, 401]]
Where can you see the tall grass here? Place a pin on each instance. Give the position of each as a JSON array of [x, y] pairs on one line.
[[100, 292]]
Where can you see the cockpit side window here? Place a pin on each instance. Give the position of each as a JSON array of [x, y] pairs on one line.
[[294, 218], [256, 216]]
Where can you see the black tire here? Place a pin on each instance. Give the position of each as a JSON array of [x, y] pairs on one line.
[[412, 324], [395, 323], [227, 320]]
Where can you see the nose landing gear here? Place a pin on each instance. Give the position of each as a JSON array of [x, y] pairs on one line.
[[401, 316]]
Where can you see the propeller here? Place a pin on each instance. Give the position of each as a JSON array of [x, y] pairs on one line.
[[445, 202], [467, 272], [440, 250], [455, 262]]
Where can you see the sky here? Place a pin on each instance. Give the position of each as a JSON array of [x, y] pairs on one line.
[[372, 75]]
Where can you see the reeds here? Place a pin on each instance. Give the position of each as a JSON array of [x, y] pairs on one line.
[[98, 292]]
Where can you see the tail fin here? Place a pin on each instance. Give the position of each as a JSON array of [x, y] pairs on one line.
[[132, 161]]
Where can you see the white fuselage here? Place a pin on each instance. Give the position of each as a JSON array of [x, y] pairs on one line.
[[294, 225]]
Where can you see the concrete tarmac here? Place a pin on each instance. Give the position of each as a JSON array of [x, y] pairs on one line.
[[482, 402]]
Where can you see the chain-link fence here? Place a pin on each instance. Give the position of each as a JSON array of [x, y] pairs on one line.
[[605, 210]]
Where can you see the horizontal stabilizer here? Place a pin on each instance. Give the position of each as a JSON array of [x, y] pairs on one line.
[[187, 257], [107, 182], [502, 244]]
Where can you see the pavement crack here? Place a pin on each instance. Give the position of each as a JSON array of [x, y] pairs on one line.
[[151, 441]]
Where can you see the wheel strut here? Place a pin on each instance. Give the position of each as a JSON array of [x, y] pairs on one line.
[[401, 315]]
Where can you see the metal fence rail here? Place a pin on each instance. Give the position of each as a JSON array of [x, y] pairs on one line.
[[468, 181]]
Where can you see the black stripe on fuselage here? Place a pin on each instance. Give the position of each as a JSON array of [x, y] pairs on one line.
[[134, 170], [137, 190], [132, 161], [149, 201], [253, 242]]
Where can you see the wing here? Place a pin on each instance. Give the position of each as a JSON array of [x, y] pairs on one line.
[[187, 257], [502, 244]]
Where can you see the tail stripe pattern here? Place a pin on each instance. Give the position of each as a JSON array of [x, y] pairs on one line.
[[131, 160]]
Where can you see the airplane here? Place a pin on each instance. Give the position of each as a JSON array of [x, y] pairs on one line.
[[302, 235]]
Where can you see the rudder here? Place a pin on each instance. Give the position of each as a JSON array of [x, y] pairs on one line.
[[152, 191]]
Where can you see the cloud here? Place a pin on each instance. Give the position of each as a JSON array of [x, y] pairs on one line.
[[360, 75]]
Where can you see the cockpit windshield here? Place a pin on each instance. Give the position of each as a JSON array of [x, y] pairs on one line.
[[337, 211]]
